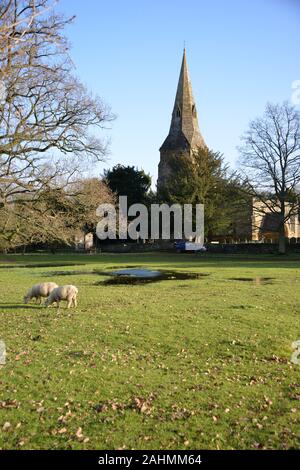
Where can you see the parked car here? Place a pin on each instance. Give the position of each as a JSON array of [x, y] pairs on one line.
[[183, 246]]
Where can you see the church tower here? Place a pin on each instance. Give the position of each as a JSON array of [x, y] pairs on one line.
[[184, 135]]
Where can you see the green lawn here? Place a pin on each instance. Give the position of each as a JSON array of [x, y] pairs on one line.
[[176, 364]]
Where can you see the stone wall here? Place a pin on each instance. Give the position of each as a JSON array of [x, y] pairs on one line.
[[254, 248], [230, 248], [136, 247]]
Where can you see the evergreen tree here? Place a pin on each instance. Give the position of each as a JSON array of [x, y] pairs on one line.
[[129, 181], [204, 179]]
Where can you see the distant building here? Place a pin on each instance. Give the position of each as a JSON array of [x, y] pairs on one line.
[[184, 135], [265, 224], [84, 241]]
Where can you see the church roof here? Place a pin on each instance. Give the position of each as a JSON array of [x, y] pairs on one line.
[[184, 130]]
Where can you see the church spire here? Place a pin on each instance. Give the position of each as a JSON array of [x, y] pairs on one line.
[[184, 131]]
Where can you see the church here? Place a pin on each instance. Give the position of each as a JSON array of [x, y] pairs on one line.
[[184, 138], [184, 135]]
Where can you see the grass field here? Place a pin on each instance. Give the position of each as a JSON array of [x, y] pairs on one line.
[[176, 364]]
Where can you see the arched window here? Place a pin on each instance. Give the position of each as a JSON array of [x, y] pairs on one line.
[[178, 112], [194, 110]]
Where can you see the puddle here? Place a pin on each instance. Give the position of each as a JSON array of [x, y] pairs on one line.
[[141, 273], [127, 275], [77, 272], [144, 276], [258, 281]]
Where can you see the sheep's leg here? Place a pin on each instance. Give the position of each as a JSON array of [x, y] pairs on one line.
[[70, 302], [75, 301]]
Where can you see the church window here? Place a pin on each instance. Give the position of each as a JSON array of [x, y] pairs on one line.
[[194, 110], [178, 112]]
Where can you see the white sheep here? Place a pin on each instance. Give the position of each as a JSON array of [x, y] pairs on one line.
[[68, 293], [40, 290]]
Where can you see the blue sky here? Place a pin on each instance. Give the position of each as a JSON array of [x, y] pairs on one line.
[[240, 53]]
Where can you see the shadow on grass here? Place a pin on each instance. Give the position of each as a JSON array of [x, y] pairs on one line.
[[10, 306]]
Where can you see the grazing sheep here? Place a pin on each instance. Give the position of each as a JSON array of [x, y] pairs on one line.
[[68, 293], [40, 290]]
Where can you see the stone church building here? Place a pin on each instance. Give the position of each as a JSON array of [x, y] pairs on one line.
[[184, 135]]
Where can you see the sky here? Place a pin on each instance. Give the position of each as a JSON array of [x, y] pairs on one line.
[[241, 54]]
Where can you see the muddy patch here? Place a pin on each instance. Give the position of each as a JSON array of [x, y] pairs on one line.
[[257, 281], [130, 275], [145, 276], [78, 272]]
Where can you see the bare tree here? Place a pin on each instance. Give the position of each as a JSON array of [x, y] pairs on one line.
[[88, 194], [56, 216], [270, 161], [49, 123]]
